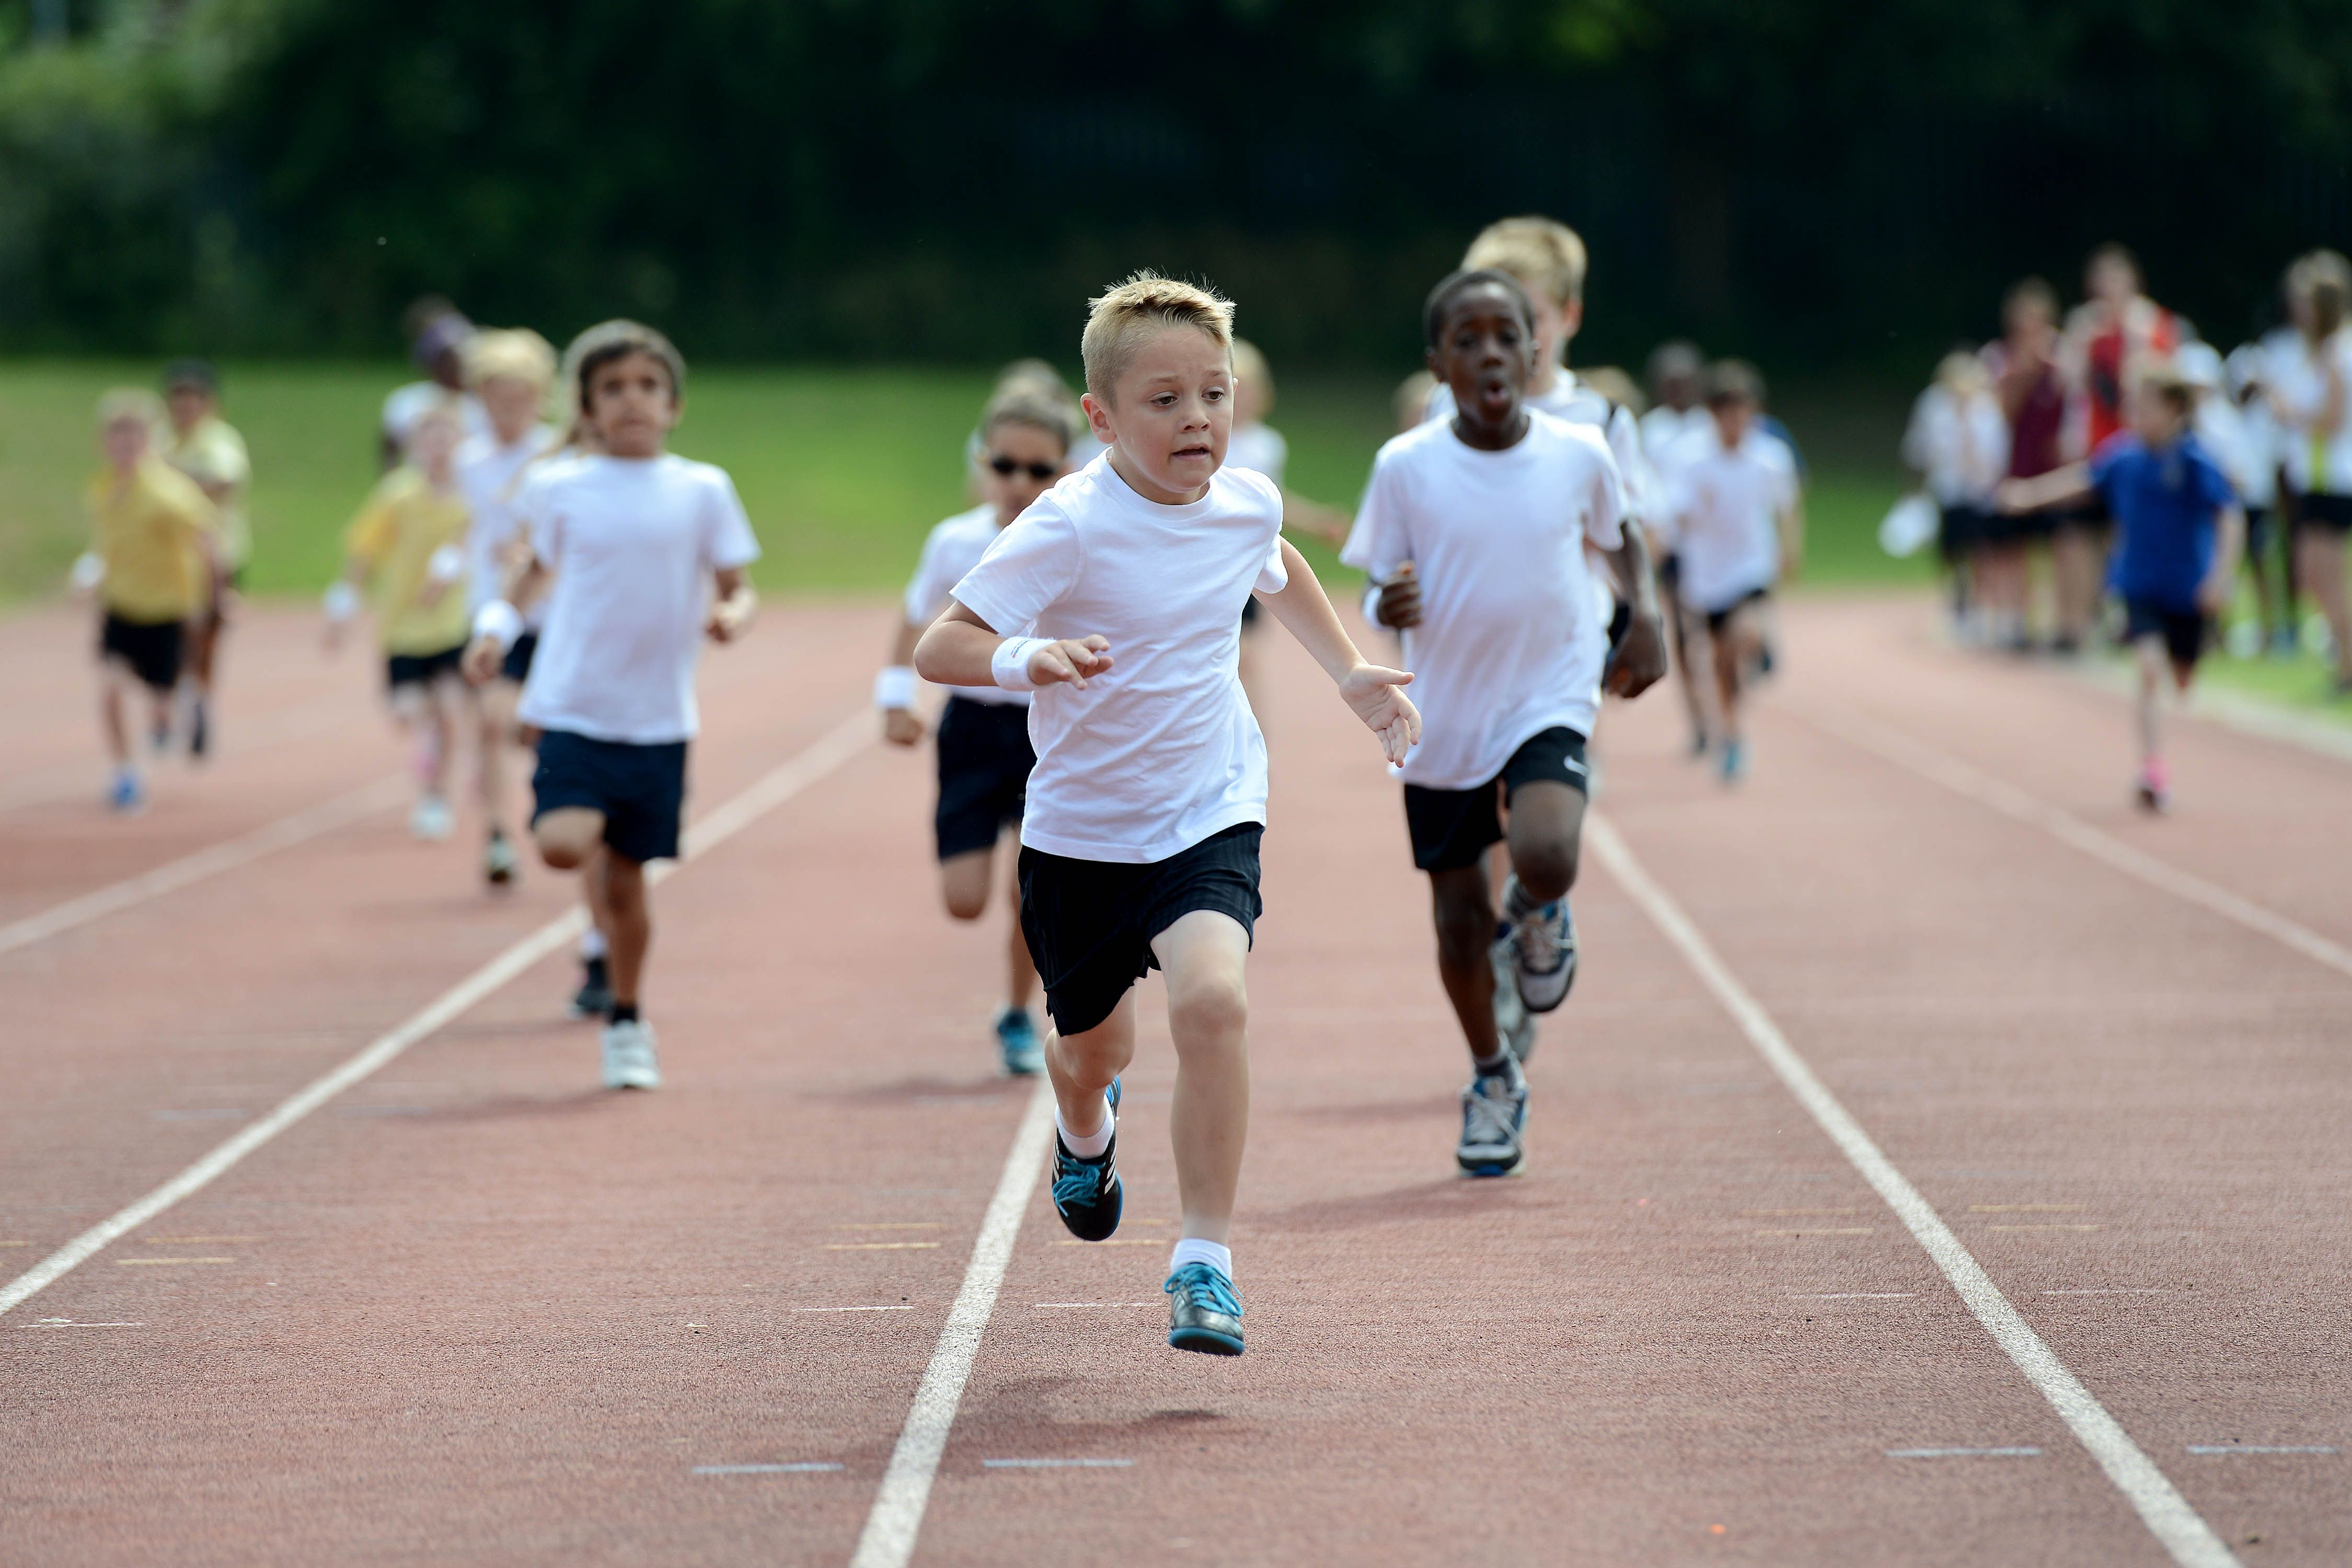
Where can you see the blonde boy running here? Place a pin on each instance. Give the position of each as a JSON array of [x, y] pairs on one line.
[[155, 560], [204, 447], [985, 755], [407, 549], [1139, 838]]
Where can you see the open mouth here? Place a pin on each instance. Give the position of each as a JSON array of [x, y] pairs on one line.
[[1182, 453]]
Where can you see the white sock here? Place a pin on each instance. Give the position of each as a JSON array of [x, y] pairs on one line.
[[1193, 1249], [593, 944], [1094, 1143], [1496, 1066]]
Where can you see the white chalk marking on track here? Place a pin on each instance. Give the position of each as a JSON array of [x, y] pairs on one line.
[[807, 766], [2261, 1449], [1963, 1453], [897, 1518], [2183, 1532], [1057, 1463], [172, 876], [1974, 783], [802, 1469]]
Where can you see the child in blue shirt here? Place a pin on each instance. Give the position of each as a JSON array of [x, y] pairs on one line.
[[2179, 528]]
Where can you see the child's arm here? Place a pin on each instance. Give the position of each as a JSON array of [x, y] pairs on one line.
[[1375, 692], [1312, 517], [2213, 594], [731, 609], [2056, 488], [901, 725], [1640, 661], [499, 622], [961, 650], [1789, 520]]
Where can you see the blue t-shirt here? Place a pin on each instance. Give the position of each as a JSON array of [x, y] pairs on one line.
[[2166, 503]]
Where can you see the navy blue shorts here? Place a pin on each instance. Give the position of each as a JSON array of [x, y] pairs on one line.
[[516, 665], [1089, 923], [641, 790], [1451, 827], [2185, 632], [984, 759]]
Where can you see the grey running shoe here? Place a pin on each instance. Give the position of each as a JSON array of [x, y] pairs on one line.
[[1494, 1117], [1543, 953]]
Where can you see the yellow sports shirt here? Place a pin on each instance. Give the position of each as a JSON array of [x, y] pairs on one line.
[[150, 529], [213, 454], [393, 538]]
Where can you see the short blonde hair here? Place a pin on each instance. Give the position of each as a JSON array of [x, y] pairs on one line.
[[1027, 403], [1540, 252], [1250, 365], [130, 405], [514, 351], [1119, 318]]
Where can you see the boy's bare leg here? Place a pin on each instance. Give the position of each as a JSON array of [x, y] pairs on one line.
[[1694, 699], [109, 714], [1205, 955], [1545, 834], [2320, 555], [1020, 969], [1462, 903], [495, 705], [1728, 653], [963, 882], [632, 931], [2147, 711], [1080, 1067], [592, 882]]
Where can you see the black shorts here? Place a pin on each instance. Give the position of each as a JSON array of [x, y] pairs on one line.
[[152, 648], [2088, 515], [1716, 619], [421, 669], [1089, 923], [2259, 520], [2185, 632], [984, 762], [1960, 529], [1451, 827], [2319, 509], [516, 665], [641, 790], [1249, 611]]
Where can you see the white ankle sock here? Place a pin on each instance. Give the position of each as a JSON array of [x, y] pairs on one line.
[[1193, 1249], [1499, 1065], [1095, 1142], [592, 944]]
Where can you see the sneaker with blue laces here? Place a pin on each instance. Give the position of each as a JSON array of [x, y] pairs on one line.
[[1735, 761], [1204, 1310], [126, 794], [1494, 1117], [1086, 1193], [1543, 951], [1016, 1037]]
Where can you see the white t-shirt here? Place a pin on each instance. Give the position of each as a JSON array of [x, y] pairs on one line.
[[1511, 640], [632, 543], [953, 549], [1727, 505], [1961, 444], [2318, 461], [1578, 404], [406, 405], [1664, 430], [2234, 443], [1161, 750], [1259, 448], [488, 474]]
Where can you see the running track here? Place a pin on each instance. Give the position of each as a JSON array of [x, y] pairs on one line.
[[472, 1310]]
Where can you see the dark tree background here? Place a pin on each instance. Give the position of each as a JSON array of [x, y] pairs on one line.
[[1851, 180]]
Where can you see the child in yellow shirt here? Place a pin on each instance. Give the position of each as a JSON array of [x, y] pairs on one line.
[[202, 446]]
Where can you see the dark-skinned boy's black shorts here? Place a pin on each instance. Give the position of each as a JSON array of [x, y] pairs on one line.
[[984, 762], [1451, 827], [2185, 632], [516, 665], [150, 648], [641, 790], [1089, 923]]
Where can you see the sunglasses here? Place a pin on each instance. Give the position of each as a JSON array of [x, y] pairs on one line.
[[1005, 468]]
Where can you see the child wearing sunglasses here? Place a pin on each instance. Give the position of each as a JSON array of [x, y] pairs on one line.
[[984, 757]]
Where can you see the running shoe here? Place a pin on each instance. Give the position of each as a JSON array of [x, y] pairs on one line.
[[1513, 1025], [1204, 1310], [498, 861], [1086, 1193], [1016, 1037], [594, 997], [200, 729], [431, 820], [1494, 1117], [1543, 953], [1735, 761], [126, 794], [2154, 789], [629, 1059]]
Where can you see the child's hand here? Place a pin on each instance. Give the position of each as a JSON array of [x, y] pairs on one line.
[[1377, 695], [1400, 605], [1071, 660], [1640, 660], [728, 617], [2010, 496], [902, 726], [2213, 595], [481, 660]]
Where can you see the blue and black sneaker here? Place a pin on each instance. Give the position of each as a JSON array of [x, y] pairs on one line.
[[1086, 1191], [1016, 1037], [1204, 1310]]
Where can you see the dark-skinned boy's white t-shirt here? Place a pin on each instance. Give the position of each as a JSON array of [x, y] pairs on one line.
[[1511, 640], [1161, 750]]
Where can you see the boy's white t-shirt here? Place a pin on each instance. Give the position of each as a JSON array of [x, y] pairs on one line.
[[1579, 403], [632, 543], [490, 475], [1161, 750], [1511, 641], [1259, 448], [1960, 444], [1727, 504], [1664, 430], [953, 549], [2317, 462]]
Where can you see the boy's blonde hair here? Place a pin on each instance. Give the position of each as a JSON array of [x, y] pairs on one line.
[[128, 405], [1540, 252], [1250, 365], [1118, 320], [1028, 403], [2163, 378], [1962, 374], [515, 351]]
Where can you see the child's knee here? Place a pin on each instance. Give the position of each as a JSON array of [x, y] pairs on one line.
[[1209, 1010], [1545, 869], [567, 838]]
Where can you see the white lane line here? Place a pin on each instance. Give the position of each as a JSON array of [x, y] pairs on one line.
[[796, 1469], [2261, 1449], [170, 878], [888, 1539], [805, 768], [1963, 1453], [903, 1308], [1057, 1463], [1962, 779], [2189, 1539]]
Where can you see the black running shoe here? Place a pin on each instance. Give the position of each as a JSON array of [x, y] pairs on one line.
[[199, 730], [1086, 1193], [594, 997], [1204, 1311]]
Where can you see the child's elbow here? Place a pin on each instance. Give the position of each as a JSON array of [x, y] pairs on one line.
[[930, 656]]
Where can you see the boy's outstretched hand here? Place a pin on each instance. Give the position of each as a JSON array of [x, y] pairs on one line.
[[1639, 660], [1071, 659], [1377, 695], [1399, 605]]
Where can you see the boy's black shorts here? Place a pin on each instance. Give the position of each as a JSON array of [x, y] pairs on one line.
[[1717, 619], [152, 648], [1451, 827], [2185, 632], [421, 669], [641, 790], [1089, 923], [984, 762], [2320, 510], [516, 665]]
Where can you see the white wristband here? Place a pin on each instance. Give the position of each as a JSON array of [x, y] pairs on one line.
[[894, 687], [89, 570], [342, 600], [499, 621], [445, 564], [1010, 663]]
